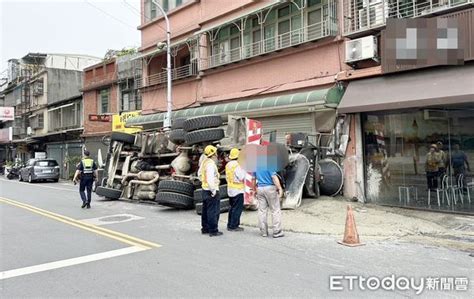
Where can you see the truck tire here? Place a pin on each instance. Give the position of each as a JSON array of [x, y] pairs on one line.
[[176, 187], [177, 136], [108, 192], [222, 193], [224, 207], [175, 200], [332, 177], [206, 135], [202, 122], [122, 137], [309, 184], [178, 123]]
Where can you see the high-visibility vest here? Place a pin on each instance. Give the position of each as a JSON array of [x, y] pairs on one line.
[[204, 178], [232, 181], [88, 166]]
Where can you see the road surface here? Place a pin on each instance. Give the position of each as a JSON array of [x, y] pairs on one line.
[[50, 247]]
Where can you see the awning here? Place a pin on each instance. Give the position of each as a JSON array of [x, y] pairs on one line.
[[284, 104], [429, 87]]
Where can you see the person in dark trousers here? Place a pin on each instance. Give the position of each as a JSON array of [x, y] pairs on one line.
[[235, 176], [87, 171], [460, 164], [209, 176]]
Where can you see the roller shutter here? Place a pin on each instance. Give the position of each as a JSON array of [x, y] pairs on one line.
[[284, 124]]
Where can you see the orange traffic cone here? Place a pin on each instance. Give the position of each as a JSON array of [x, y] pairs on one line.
[[351, 236]]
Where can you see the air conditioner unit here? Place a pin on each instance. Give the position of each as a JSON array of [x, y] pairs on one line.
[[361, 49], [29, 131], [375, 18], [435, 114]]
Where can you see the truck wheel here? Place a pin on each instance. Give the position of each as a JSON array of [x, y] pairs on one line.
[[206, 135], [224, 207], [309, 184], [122, 137], [175, 200], [108, 192], [222, 192], [202, 122], [178, 123], [176, 187], [177, 136]]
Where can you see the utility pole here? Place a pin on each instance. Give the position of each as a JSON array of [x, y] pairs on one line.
[[169, 101]]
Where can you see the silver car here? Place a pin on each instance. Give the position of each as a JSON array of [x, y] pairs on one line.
[[40, 169]]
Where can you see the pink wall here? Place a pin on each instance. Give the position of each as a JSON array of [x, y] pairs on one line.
[[184, 94], [192, 16], [304, 67]]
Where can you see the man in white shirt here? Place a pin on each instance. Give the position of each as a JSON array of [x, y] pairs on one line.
[[235, 176], [209, 176]]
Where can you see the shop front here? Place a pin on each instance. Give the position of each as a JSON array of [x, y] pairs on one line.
[[417, 137]]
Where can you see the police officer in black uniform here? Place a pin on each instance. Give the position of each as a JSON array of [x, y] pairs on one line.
[[87, 170]]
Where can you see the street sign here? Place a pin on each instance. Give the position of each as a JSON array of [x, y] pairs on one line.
[[118, 122], [7, 113], [100, 117]]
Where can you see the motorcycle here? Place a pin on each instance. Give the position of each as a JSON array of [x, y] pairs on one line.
[[14, 172]]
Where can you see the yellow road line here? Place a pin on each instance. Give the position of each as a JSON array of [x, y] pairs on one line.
[[85, 226]]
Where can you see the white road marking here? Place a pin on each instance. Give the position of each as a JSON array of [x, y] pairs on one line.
[[38, 185], [69, 262], [104, 220]]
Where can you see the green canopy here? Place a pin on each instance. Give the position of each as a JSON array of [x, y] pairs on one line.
[[320, 98]]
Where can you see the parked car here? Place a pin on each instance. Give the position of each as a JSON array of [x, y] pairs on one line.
[[40, 169]]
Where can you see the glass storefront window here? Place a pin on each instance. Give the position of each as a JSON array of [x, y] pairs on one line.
[[420, 158]]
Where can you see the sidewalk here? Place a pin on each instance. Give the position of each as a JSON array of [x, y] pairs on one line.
[[326, 216]]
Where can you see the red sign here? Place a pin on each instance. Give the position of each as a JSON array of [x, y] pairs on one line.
[[7, 113], [100, 117]]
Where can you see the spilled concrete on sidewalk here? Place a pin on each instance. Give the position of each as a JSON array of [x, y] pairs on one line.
[[326, 216]]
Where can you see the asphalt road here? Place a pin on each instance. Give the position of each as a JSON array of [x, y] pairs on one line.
[[50, 247]]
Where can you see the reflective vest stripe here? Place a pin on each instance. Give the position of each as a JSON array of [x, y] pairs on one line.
[[204, 178], [232, 181], [88, 165]]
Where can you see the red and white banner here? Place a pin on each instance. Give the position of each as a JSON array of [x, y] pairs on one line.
[[7, 113], [254, 136]]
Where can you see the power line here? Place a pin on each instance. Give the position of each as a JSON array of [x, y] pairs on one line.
[[132, 7], [141, 14], [106, 13]]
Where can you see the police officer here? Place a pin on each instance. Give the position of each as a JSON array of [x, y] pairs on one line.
[[87, 169], [235, 176], [209, 176]]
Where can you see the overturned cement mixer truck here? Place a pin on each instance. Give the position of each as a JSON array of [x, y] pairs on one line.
[[161, 167]]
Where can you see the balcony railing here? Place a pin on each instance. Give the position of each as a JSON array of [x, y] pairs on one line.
[[362, 15], [176, 74], [272, 44]]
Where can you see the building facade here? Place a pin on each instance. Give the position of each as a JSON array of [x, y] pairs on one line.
[[410, 107], [110, 88], [44, 89], [288, 64]]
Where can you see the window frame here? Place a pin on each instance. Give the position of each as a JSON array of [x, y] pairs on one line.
[[100, 102]]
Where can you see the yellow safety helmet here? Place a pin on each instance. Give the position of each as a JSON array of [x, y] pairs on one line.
[[234, 153], [210, 150]]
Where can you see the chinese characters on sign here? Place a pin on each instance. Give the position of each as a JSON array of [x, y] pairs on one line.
[[401, 283], [7, 113], [100, 117]]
